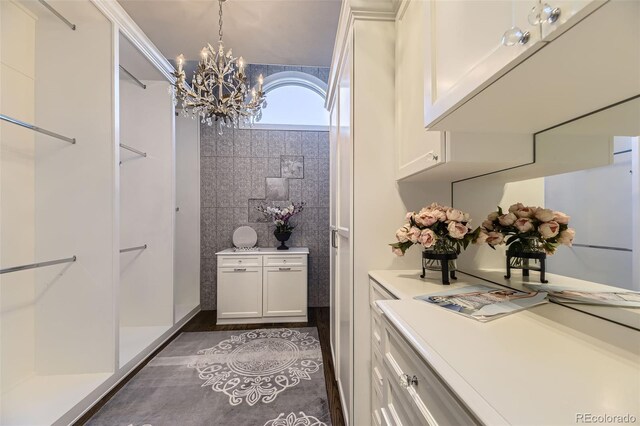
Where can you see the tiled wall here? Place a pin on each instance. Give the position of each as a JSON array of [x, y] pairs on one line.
[[241, 168]]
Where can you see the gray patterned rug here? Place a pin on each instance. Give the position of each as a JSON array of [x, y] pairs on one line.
[[266, 377]]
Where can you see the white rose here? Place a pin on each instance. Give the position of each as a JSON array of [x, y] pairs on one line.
[[495, 238], [566, 237], [466, 218], [549, 229], [507, 219], [481, 238], [524, 224], [515, 207], [402, 234], [413, 234], [544, 215], [427, 238], [457, 230], [561, 218], [397, 251], [493, 216], [455, 215], [488, 225]]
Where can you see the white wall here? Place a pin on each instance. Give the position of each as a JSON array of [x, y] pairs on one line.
[[147, 204], [17, 193]]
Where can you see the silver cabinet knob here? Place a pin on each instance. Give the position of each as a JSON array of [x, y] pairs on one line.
[[515, 35], [542, 12], [408, 381]]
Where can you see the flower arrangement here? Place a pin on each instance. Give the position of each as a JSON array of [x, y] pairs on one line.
[[526, 229], [441, 229], [281, 215]]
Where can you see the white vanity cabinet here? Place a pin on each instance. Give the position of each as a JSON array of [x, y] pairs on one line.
[[262, 286]]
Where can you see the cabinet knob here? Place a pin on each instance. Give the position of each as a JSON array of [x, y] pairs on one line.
[[433, 155], [240, 269], [515, 35], [542, 12]]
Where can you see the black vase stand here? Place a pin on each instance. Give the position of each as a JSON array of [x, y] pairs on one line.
[[541, 257], [444, 259]]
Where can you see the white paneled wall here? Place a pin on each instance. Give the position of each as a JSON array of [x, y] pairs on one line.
[[70, 332]]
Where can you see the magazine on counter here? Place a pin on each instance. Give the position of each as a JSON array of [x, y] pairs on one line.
[[485, 303], [622, 298]]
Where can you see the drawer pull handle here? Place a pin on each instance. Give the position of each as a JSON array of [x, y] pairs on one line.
[[284, 269], [408, 381], [240, 269]]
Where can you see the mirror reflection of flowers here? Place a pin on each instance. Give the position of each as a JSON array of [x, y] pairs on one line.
[[441, 229], [280, 216], [526, 229]]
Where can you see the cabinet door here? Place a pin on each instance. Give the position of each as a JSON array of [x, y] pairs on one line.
[[240, 292], [416, 149], [285, 292], [464, 49], [333, 293]]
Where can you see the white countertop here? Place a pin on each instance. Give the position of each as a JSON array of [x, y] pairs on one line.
[[542, 366], [263, 250]]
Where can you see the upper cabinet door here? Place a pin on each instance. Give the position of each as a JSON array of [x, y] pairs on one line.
[[469, 44]]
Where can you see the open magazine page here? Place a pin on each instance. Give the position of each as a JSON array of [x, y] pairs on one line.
[[485, 303], [622, 298]]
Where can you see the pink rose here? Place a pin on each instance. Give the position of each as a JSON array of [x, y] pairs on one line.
[[413, 234], [440, 215], [566, 237], [549, 229], [544, 215], [561, 218], [526, 212], [515, 207], [466, 218], [457, 230], [455, 215], [409, 215], [524, 224], [402, 234], [495, 238], [425, 218], [427, 238], [493, 216], [488, 225], [397, 251], [481, 238], [507, 219]]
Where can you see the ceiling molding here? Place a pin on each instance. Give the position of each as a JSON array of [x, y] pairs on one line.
[[127, 26], [348, 15]]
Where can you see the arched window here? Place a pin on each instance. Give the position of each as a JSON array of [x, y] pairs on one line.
[[295, 100]]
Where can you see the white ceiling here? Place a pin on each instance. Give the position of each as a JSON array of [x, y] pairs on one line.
[[286, 32]]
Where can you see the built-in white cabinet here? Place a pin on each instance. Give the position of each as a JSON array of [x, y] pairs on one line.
[[265, 285]]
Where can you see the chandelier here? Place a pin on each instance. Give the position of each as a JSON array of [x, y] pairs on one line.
[[219, 91]]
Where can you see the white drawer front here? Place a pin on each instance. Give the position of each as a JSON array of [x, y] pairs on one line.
[[429, 396], [376, 331], [377, 292], [239, 261], [285, 260]]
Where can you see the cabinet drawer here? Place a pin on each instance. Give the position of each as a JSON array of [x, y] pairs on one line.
[[430, 397], [376, 330], [377, 292], [285, 260], [400, 408], [376, 373], [239, 261], [284, 291]]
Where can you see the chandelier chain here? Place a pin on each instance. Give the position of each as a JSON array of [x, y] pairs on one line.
[[220, 19]]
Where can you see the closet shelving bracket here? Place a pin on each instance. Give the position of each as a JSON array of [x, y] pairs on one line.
[[36, 129], [37, 265], [55, 12]]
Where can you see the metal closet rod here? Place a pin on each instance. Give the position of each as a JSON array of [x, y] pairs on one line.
[[37, 265], [55, 12], [141, 84], [133, 248], [36, 128], [144, 154]]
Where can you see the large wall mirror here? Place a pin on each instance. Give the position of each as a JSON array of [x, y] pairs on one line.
[[589, 169]]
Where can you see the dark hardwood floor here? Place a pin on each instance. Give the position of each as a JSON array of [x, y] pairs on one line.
[[206, 321]]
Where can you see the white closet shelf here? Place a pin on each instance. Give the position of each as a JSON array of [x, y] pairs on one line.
[[41, 400], [182, 310], [134, 340]]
